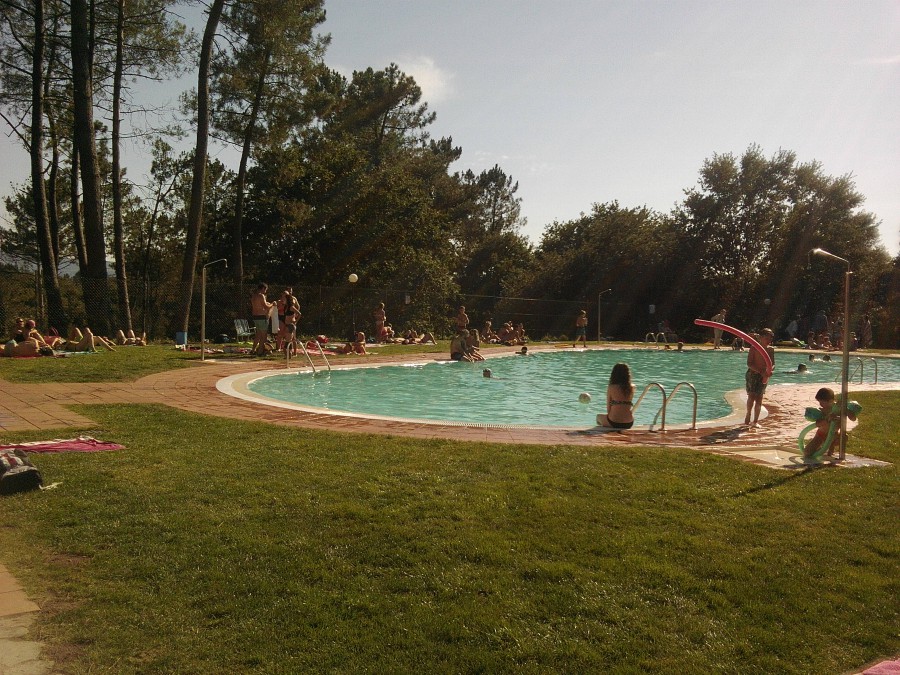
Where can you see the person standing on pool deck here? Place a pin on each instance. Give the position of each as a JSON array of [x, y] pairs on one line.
[[259, 308], [619, 395], [581, 329], [462, 320], [717, 332], [380, 317], [757, 376]]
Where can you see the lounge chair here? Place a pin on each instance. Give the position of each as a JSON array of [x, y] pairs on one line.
[[243, 329]]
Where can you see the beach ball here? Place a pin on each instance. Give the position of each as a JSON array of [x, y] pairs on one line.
[[584, 397]]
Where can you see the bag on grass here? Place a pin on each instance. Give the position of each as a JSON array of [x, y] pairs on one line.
[[17, 473]]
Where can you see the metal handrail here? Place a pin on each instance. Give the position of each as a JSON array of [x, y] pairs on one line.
[[875, 361], [662, 409], [860, 368], [322, 352], [655, 338], [308, 357], [672, 395]]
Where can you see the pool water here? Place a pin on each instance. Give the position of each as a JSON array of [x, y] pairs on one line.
[[542, 389]]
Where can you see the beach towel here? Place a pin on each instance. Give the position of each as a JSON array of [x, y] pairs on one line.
[[80, 444]]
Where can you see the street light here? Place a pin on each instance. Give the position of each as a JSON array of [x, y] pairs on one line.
[[203, 306], [845, 366], [353, 279], [599, 328]]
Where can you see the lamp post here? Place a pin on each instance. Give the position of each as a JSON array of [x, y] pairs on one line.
[[845, 366], [203, 306], [353, 279], [599, 325]]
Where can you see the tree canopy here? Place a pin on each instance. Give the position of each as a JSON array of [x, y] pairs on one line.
[[339, 174]]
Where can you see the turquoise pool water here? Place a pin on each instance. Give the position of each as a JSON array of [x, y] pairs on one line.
[[543, 389]]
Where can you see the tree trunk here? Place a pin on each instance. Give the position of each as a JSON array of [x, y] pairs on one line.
[[77, 223], [195, 212], [240, 182], [118, 226], [96, 300], [56, 315]]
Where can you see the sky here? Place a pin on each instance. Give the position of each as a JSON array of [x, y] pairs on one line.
[[591, 101]]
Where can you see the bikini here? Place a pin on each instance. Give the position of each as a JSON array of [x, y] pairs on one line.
[[620, 425]]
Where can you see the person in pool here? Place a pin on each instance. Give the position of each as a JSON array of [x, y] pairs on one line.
[[619, 397]]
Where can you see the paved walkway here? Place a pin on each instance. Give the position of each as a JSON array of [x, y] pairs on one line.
[[46, 406]]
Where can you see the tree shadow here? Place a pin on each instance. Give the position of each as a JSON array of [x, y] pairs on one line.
[[801, 470]]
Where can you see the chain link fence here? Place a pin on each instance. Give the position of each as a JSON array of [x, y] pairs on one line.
[[336, 311]]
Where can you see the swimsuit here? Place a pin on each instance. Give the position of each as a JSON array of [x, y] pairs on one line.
[[580, 331], [260, 322], [620, 425], [628, 403], [754, 383]]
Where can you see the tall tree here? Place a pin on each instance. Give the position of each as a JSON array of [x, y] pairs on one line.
[[195, 212], [490, 250], [258, 87], [118, 234], [96, 300], [23, 39], [147, 43]]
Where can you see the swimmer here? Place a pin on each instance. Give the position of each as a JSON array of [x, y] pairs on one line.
[[801, 369], [523, 351], [487, 372]]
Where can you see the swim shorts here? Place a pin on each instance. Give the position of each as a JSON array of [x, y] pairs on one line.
[[754, 383], [261, 323]]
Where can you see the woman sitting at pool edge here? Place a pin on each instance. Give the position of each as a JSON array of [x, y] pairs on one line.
[[619, 396]]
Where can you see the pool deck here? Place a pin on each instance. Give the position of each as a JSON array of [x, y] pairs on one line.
[[773, 443]]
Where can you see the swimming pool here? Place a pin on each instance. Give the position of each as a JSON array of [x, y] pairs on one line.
[[541, 389]]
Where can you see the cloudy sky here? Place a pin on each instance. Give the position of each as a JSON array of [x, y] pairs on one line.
[[585, 101]]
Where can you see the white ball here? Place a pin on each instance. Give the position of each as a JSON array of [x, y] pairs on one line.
[[353, 278], [584, 397]]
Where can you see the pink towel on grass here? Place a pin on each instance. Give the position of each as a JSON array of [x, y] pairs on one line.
[[80, 444]]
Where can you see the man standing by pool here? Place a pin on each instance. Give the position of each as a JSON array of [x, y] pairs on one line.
[[259, 308], [581, 328], [717, 332], [758, 375]]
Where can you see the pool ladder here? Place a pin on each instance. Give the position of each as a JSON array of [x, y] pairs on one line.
[[287, 355], [859, 368], [655, 337], [665, 402]]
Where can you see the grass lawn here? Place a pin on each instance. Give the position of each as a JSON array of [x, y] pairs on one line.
[[131, 363], [211, 546]]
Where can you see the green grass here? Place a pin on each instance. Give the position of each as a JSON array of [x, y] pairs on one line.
[[211, 546], [127, 364]]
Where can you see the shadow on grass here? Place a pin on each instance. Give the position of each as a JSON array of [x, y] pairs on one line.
[[779, 481]]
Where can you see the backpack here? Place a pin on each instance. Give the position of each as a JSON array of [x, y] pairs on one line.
[[17, 473]]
